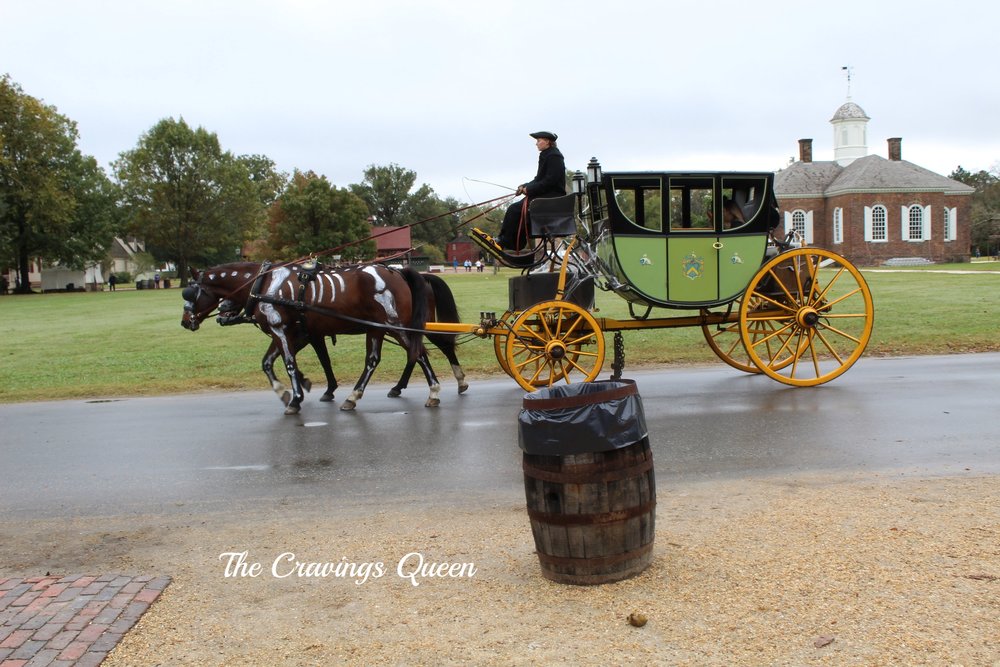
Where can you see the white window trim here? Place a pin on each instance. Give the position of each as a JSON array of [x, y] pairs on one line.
[[838, 225], [807, 224], [950, 224], [869, 223], [925, 223]]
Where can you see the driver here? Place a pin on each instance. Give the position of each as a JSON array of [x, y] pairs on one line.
[[550, 181]]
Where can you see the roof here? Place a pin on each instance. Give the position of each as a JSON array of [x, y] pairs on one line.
[[871, 173], [391, 238], [849, 111], [806, 179]]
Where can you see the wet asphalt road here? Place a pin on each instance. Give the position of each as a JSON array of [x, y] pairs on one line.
[[920, 416]]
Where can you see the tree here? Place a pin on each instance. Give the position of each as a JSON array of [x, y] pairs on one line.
[[394, 201], [55, 203], [190, 201], [985, 209], [312, 216]]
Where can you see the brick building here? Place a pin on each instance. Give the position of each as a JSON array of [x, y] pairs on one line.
[[871, 209]]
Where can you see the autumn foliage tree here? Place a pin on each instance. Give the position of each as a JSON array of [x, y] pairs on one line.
[[55, 203], [192, 202], [312, 216]]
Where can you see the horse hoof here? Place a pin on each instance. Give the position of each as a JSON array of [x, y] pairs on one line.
[[348, 405], [395, 393], [292, 410], [326, 398], [286, 398], [432, 403], [307, 384], [462, 388]]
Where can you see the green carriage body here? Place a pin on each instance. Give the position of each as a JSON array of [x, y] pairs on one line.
[[682, 240]]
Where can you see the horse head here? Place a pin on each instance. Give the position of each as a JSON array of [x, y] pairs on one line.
[[199, 302], [224, 287]]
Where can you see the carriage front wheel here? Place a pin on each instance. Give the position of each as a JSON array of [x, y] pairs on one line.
[[553, 342], [819, 310]]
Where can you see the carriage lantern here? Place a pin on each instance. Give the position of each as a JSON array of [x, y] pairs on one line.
[[594, 171], [579, 183]]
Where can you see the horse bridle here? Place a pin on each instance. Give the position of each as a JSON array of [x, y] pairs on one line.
[[191, 294]]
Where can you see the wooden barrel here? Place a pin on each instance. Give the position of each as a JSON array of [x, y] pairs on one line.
[[592, 514]]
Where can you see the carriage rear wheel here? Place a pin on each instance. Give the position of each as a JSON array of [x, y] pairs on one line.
[[500, 350], [819, 311], [554, 341], [726, 341]]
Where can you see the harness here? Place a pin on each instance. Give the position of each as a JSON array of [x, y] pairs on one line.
[[246, 317]]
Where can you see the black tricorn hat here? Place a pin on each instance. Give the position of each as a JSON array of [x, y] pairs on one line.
[[544, 135]]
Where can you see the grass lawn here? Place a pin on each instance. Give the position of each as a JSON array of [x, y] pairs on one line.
[[127, 343]]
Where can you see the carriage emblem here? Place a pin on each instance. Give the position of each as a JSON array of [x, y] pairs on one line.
[[645, 260], [736, 259], [693, 266]]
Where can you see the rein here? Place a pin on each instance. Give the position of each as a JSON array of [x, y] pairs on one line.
[[499, 202]]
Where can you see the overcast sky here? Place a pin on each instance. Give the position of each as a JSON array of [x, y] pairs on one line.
[[451, 89]]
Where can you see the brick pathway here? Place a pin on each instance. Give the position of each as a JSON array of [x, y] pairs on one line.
[[75, 620]]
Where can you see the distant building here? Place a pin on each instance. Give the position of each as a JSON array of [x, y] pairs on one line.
[[871, 209], [462, 248], [392, 244]]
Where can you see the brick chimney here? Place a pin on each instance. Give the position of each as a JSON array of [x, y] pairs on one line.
[[895, 149], [805, 150]]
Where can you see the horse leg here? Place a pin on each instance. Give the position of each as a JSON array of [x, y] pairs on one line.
[[323, 354], [446, 343], [288, 350], [434, 398], [267, 365], [404, 380], [373, 343]]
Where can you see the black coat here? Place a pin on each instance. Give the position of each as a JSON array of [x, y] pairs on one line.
[[550, 181]]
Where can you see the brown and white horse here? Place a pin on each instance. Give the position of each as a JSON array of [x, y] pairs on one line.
[[296, 307]]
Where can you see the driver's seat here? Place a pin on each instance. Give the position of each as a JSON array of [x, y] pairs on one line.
[[549, 217]]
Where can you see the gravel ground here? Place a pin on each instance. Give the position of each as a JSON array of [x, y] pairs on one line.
[[846, 570]]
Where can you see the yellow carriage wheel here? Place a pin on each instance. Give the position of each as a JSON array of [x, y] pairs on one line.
[[726, 340], [819, 311], [552, 342], [500, 349]]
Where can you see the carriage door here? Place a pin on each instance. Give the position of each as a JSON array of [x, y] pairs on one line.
[[742, 238], [691, 252]]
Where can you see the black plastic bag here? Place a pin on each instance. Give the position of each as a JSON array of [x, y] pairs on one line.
[[581, 418]]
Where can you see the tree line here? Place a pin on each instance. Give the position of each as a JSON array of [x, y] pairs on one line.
[[190, 201], [985, 213]]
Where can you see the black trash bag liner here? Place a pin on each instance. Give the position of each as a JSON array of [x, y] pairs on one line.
[[581, 418]]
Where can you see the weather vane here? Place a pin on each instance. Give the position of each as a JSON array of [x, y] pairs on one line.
[[848, 69]]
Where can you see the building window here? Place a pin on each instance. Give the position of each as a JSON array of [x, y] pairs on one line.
[[838, 225], [950, 228], [915, 223], [880, 228], [799, 223]]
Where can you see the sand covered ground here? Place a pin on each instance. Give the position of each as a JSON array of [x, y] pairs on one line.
[[845, 569]]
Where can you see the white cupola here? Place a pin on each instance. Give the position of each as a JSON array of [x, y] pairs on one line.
[[850, 133]]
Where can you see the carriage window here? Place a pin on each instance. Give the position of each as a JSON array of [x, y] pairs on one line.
[[691, 205], [640, 202], [741, 201]]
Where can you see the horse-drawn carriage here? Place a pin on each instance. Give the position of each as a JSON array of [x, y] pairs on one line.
[[702, 242], [706, 243]]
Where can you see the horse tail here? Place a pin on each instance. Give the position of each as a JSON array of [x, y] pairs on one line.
[[418, 319], [446, 310]]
